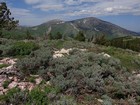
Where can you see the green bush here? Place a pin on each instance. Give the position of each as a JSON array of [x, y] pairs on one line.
[[5, 84], [17, 97], [37, 97], [22, 48], [3, 65]]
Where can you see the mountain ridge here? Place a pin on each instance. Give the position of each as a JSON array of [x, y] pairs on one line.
[[90, 26]]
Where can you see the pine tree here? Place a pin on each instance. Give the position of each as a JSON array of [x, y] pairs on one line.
[[6, 22]]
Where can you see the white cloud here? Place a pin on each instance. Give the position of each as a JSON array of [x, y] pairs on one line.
[[72, 8], [32, 1], [46, 7], [20, 12]]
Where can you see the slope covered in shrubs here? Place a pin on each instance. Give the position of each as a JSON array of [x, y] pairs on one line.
[[79, 77]]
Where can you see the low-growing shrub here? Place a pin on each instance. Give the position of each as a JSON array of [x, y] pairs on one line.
[[22, 48], [5, 84], [35, 62], [3, 65], [83, 69]]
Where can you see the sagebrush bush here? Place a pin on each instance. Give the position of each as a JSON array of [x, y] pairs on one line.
[[37, 60], [82, 70]]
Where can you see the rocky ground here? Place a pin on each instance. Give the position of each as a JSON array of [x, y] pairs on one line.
[[9, 77]]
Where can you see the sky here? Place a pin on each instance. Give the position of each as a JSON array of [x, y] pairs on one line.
[[125, 13]]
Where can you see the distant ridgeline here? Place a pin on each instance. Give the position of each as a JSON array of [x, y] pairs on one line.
[[91, 27]]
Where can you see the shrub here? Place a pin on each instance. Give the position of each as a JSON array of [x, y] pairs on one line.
[[5, 84], [83, 69], [17, 97], [36, 61], [3, 65], [38, 97], [5, 99], [22, 48]]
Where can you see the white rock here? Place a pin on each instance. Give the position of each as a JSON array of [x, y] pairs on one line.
[[138, 76], [30, 87], [12, 85], [5, 90], [105, 55], [48, 83], [10, 78], [22, 87], [1, 93], [15, 79], [64, 51], [99, 100], [38, 80], [83, 50], [1, 88], [58, 55]]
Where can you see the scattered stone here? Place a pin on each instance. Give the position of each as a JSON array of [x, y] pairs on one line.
[[138, 76], [12, 85], [30, 87], [11, 78], [58, 55], [5, 90], [99, 100], [15, 79], [38, 80], [34, 76], [22, 85], [1, 92], [1, 88], [48, 83], [105, 55]]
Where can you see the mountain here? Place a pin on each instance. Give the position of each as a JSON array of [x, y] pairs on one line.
[[89, 26]]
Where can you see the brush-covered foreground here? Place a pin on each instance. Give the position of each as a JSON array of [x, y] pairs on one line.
[[88, 74]]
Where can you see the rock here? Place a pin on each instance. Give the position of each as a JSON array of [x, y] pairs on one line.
[[11, 78], [34, 76], [21, 87], [1, 92], [30, 87], [12, 85], [5, 90], [25, 85], [8, 61], [58, 55], [15, 79], [138, 76], [1, 88], [38, 80], [99, 100], [105, 55], [48, 83], [83, 50]]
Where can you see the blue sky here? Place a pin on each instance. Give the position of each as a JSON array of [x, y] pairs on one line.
[[125, 13]]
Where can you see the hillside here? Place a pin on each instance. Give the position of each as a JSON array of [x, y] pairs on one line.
[[58, 72], [89, 26]]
